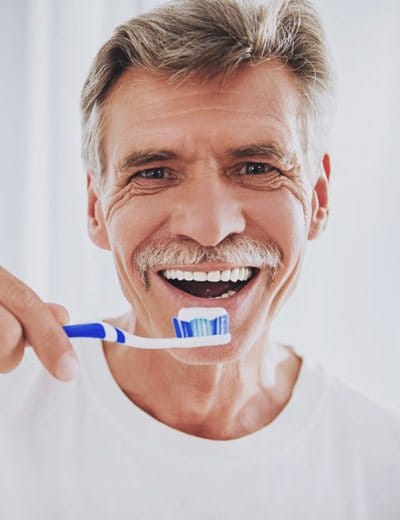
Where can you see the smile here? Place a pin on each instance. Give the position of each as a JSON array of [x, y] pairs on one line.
[[210, 284]]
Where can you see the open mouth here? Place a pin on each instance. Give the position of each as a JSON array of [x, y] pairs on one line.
[[211, 284]]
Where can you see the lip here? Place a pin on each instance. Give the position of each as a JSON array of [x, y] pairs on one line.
[[183, 299], [202, 267]]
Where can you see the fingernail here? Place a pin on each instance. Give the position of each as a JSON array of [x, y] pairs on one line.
[[64, 317], [67, 367]]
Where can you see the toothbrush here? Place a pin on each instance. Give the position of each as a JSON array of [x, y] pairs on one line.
[[194, 327]]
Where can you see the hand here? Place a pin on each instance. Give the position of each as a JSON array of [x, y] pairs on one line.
[[26, 320]]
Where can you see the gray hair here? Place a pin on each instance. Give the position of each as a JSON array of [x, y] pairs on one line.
[[209, 38]]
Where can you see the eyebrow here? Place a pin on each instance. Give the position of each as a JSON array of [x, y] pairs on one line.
[[264, 150], [137, 159]]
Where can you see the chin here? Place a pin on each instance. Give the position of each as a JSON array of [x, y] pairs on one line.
[[240, 345]]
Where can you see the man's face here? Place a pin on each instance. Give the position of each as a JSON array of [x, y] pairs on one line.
[[207, 164]]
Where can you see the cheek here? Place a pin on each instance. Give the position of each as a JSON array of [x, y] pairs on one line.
[[134, 222], [279, 215]]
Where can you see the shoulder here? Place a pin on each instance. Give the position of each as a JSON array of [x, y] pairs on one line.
[[353, 403], [359, 421], [343, 400]]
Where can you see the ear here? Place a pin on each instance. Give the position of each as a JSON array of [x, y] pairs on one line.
[[96, 224], [320, 200]]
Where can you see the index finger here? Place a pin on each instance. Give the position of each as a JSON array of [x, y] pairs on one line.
[[40, 327]]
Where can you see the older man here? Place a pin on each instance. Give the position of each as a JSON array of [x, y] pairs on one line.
[[203, 139]]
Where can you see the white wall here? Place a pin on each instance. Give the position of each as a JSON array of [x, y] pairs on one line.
[[344, 312]]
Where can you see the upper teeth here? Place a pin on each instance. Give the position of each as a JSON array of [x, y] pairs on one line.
[[237, 274]]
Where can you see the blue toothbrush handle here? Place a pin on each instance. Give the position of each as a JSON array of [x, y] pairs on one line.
[[94, 330], [85, 330]]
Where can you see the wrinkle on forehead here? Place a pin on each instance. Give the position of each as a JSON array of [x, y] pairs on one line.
[[137, 84], [265, 90]]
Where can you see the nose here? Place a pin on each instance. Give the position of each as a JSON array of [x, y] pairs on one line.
[[208, 212]]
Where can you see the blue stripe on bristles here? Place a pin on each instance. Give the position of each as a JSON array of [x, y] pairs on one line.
[[209, 327], [187, 329], [197, 327], [212, 327], [177, 328], [201, 327], [216, 327], [225, 323]]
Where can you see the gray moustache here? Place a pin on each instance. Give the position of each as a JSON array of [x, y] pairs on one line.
[[239, 251]]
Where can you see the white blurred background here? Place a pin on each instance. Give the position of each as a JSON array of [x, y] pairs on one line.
[[344, 312]]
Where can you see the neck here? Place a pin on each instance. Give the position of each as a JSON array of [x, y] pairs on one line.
[[222, 401]]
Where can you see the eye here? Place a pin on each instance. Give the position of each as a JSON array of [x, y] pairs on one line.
[[256, 169], [152, 173]]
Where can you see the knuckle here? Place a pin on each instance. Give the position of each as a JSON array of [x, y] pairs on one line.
[[21, 298], [47, 334]]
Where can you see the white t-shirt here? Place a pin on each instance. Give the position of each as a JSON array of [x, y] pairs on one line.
[[83, 451]]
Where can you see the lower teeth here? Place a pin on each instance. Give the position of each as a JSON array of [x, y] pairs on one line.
[[226, 295]]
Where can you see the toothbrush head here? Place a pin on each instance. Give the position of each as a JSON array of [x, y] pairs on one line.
[[201, 321]]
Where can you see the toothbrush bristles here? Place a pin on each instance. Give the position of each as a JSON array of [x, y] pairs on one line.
[[198, 327]]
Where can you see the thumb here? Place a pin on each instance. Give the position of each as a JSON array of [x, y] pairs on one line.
[[59, 312]]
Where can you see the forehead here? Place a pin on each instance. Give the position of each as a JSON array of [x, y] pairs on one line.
[[146, 110]]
